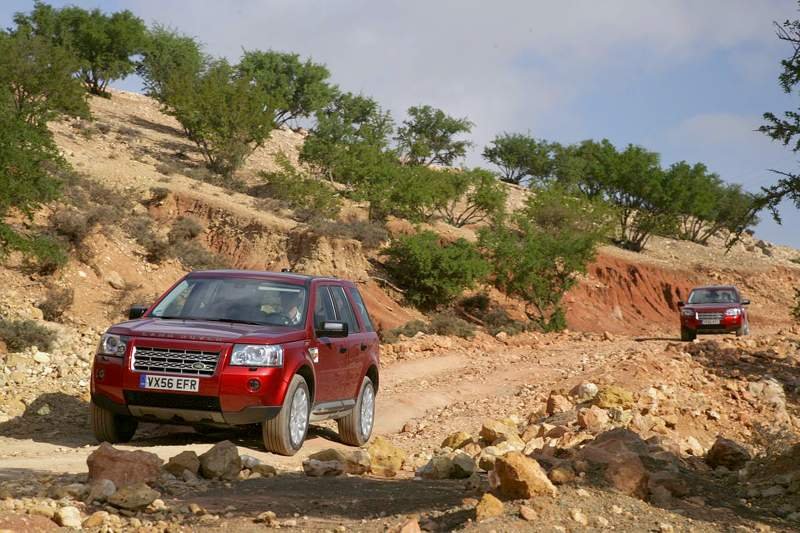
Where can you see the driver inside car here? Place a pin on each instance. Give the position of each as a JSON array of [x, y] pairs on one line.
[[292, 306]]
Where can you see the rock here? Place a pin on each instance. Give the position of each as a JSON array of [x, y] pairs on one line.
[[494, 429], [578, 516], [410, 526], [457, 440], [314, 468], [101, 490], [269, 518], [356, 462], [96, 519], [41, 358], [727, 453], [614, 396], [123, 467], [628, 475], [249, 462], [527, 513], [439, 467], [593, 419], [221, 461], [115, 280], [561, 474], [693, 447], [134, 497], [186, 460], [264, 470], [584, 392], [463, 466], [770, 391], [488, 507], [557, 403], [520, 477], [68, 517], [386, 459]]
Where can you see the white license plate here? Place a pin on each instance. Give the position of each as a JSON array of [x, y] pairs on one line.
[[710, 322], [169, 383]]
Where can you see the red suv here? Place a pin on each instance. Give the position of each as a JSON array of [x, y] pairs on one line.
[[231, 348], [714, 309]]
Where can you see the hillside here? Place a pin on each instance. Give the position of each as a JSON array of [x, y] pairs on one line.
[[617, 384]]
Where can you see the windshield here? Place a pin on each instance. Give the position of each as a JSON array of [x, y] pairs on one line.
[[713, 296], [247, 301]]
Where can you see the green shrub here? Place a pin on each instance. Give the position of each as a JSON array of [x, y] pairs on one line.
[[409, 329], [22, 334], [434, 273], [56, 302], [477, 303], [309, 197], [158, 194], [196, 257], [46, 254], [184, 229], [448, 324]]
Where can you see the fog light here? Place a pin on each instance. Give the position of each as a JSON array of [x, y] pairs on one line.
[[101, 373], [254, 384]]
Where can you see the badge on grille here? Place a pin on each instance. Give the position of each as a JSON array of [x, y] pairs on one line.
[[199, 366]]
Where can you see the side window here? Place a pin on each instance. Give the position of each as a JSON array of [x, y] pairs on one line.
[[361, 309], [323, 306], [344, 309]]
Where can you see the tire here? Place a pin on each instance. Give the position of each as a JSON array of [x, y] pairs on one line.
[[279, 434], [110, 427], [356, 428], [688, 335], [744, 330]]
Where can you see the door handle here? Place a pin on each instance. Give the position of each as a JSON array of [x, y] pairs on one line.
[[343, 349]]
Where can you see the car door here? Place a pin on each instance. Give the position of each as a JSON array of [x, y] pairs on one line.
[[332, 363], [344, 310]]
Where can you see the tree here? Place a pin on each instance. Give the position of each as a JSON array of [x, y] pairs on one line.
[[428, 137], [785, 128], [37, 76], [222, 114], [103, 44], [476, 196], [537, 254], [521, 156], [292, 88], [167, 58], [433, 272], [350, 141]]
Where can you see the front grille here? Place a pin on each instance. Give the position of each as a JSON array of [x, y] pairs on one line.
[[172, 401], [709, 316], [174, 361]]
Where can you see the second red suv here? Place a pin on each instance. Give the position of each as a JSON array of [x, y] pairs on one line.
[[238, 348], [714, 309]]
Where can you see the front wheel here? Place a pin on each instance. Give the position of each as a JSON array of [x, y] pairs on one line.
[[285, 433], [110, 427], [744, 330], [688, 335], [356, 428]]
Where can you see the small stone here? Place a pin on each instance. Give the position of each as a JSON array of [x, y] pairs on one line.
[[584, 392], [557, 403], [221, 461], [578, 516], [439, 467], [727, 453], [614, 396], [386, 459], [101, 490], [134, 497], [457, 440], [41, 358], [68, 517], [187, 460], [488, 507], [410, 526], [527, 513], [494, 429], [520, 477], [96, 519]]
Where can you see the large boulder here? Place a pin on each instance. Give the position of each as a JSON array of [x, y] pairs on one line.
[[727, 453], [519, 477], [439, 467], [494, 429], [386, 459], [221, 461], [187, 460], [123, 467], [134, 497], [354, 462]]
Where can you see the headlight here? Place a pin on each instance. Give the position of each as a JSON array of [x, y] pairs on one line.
[[687, 312], [256, 355], [733, 312], [113, 345]]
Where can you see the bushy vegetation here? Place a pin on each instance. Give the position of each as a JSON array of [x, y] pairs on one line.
[[370, 234], [796, 308], [537, 254], [311, 198], [19, 335], [430, 137], [521, 158], [56, 302], [432, 272], [443, 323]]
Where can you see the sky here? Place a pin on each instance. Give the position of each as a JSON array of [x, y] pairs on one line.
[[688, 79]]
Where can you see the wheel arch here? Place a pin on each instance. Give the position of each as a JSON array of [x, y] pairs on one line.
[[307, 374], [373, 375]]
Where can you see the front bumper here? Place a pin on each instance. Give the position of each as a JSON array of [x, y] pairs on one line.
[[728, 324]]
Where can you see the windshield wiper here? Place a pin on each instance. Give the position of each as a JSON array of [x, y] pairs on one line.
[[236, 321], [177, 317]]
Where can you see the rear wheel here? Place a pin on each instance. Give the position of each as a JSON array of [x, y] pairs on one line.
[[744, 330], [285, 433], [688, 335], [110, 427], [356, 428]]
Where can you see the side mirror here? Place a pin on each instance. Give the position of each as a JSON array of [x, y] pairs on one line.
[[745, 302], [681, 303], [137, 311], [332, 329]]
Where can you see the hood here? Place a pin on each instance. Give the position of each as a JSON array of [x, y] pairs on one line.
[[710, 308], [206, 331]]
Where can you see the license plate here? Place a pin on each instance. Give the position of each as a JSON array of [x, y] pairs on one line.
[[169, 383], [710, 322]]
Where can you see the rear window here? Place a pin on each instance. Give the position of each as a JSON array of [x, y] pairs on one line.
[[361, 309], [344, 309]]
